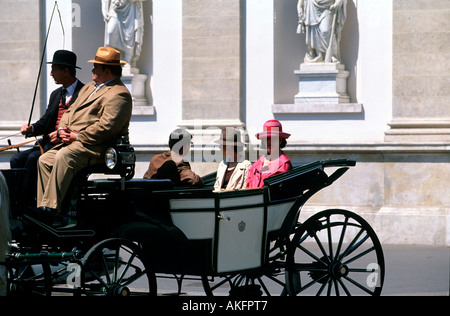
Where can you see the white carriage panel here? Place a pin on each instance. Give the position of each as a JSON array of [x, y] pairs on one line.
[[195, 225], [191, 204], [276, 215], [240, 239], [241, 200]]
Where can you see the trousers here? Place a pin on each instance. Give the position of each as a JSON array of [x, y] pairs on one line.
[[56, 170], [28, 159]]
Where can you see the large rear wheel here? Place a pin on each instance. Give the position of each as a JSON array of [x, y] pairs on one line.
[[335, 252]]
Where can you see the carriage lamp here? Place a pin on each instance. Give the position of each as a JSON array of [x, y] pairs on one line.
[[119, 155], [121, 158], [111, 158]]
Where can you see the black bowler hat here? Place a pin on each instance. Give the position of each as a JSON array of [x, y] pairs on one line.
[[65, 58]]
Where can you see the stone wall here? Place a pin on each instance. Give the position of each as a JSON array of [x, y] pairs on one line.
[[20, 53], [421, 71]]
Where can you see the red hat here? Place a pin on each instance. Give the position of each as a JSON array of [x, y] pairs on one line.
[[272, 128]]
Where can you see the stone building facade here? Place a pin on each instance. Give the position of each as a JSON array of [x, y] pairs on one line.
[[217, 63]]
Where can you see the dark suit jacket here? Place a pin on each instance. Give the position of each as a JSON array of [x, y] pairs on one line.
[[47, 123]]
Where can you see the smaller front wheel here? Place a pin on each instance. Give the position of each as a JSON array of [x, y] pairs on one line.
[[335, 252], [115, 267]]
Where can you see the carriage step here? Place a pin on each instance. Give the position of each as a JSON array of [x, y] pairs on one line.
[[68, 232]]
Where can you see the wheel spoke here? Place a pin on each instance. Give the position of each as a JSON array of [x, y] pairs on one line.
[[344, 287], [125, 269], [133, 278], [98, 278], [341, 238], [330, 238], [321, 289], [362, 254], [312, 255], [350, 248], [105, 269], [266, 290], [116, 265], [336, 288], [312, 283], [359, 285]]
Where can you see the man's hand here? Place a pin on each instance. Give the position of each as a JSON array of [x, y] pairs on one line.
[[26, 129], [67, 135], [53, 136]]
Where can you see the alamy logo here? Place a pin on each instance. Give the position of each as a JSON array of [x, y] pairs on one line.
[[76, 15], [74, 277], [373, 280]]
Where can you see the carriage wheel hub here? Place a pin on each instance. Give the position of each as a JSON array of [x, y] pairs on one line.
[[119, 290], [338, 270]]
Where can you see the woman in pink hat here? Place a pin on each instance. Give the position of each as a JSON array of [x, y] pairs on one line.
[[274, 161]]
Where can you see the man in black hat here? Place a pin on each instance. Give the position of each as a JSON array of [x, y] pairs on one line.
[[64, 73]]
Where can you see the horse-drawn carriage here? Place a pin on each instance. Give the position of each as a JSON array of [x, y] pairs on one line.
[[130, 233]]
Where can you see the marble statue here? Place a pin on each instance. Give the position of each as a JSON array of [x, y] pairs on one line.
[[322, 22], [124, 28]]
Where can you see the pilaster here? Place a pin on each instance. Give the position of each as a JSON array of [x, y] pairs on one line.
[[211, 64], [421, 72]]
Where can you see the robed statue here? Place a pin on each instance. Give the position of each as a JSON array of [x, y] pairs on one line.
[[124, 28], [322, 22]]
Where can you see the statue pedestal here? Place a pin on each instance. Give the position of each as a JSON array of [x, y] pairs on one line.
[[322, 83], [135, 83], [322, 90]]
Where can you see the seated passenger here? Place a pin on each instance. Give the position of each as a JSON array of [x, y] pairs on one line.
[[171, 164], [274, 162], [232, 171]]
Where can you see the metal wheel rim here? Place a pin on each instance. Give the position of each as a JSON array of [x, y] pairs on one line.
[[353, 265]]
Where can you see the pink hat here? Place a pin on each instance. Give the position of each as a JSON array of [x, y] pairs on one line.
[[272, 128]]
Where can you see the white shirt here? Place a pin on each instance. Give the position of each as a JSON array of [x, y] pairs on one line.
[[70, 90]]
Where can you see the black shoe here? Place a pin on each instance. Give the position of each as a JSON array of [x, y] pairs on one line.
[[48, 216], [58, 221], [42, 213]]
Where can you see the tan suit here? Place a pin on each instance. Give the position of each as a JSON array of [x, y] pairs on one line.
[[99, 119], [238, 178]]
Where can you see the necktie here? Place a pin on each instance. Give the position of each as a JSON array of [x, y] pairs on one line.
[[93, 92], [63, 96]]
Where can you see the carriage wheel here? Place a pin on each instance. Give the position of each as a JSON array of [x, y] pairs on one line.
[[29, 279], [339, 254], [115, 267]]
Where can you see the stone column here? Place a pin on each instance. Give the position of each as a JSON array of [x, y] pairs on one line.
[[416, 168], [211, 66], [421, 97]]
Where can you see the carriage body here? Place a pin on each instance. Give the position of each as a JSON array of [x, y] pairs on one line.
[[240, 224], [191, 231]]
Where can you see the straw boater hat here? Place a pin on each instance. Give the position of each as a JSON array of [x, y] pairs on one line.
[[272, 128], [64, 58], [108, 56], [230, 137]]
